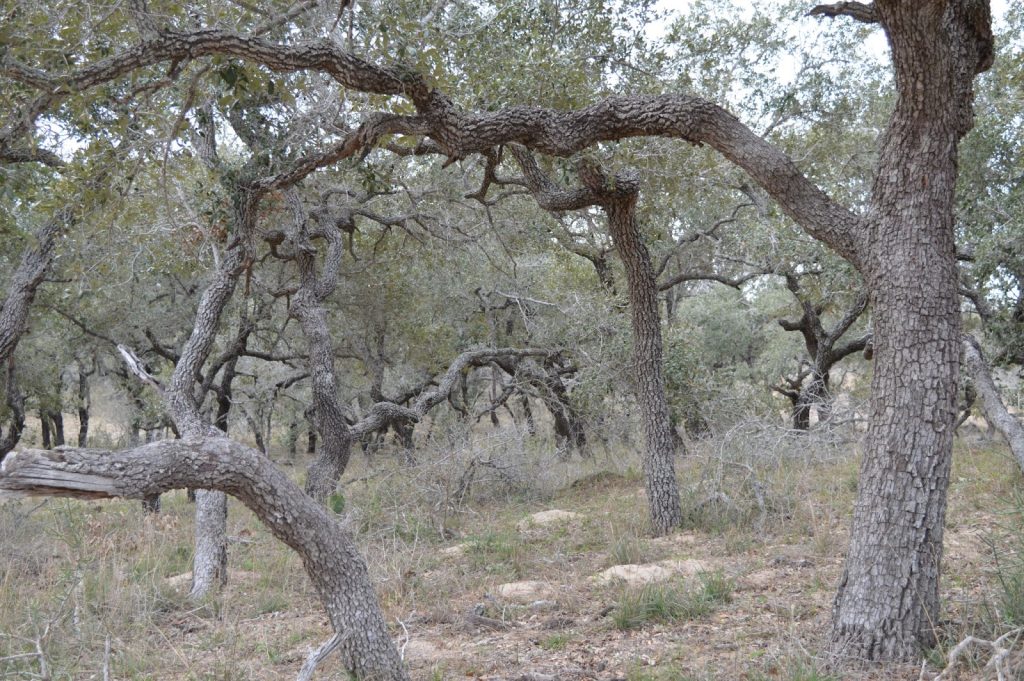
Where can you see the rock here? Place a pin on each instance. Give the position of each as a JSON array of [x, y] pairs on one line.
[[783, 560], [525, 592], [453, 551], [546, 518], [634, 575], [651, 572]]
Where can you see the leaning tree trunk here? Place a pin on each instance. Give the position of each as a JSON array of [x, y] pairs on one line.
[[992, 401], [326, 469], [328, 553], [887, 605]]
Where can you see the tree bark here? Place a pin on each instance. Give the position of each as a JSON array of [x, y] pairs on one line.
[[328, 553], [16, 404], [83, 407], [56, 417], [44, 426]]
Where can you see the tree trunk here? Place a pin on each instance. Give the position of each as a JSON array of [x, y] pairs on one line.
[[44, 426], [659, 458], [326, 470], [16, 405], [210, 565], [887, 605], [57, 421], [328, 553], [83, 408]]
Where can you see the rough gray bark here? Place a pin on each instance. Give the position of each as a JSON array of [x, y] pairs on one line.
[[887, 605], [307, 306], [991, 400], [617, 196], [328, 553]]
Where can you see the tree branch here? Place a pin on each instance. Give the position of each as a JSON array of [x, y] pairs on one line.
[[857, 11]]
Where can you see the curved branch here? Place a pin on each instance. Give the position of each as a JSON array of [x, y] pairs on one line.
[[991, 400], [328, 552], [458, 133]]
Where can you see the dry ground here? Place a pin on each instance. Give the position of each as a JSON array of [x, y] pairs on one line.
[[445, 539]]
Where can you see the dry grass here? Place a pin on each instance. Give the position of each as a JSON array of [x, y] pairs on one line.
[[765, 513]]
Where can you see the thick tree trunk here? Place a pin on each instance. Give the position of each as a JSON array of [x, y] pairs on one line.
[[992, 401], [887, 606], [328, 553]]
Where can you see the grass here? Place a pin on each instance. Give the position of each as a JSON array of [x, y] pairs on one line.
[[97, 570], [555, 642], [670, 602]]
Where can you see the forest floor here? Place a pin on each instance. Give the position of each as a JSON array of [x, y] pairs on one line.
[[479, 586]]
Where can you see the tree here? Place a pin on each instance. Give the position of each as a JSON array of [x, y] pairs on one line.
[[617, 197], [903, 244]]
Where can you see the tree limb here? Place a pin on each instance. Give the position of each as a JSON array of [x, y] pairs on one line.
[[857, 11]]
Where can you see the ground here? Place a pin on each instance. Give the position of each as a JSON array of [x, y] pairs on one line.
[[478, 586]]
